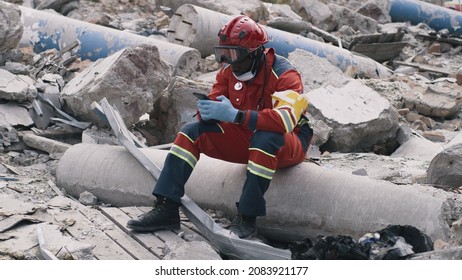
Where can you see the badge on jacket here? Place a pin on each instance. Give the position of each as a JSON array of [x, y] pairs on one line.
[[238, 86]]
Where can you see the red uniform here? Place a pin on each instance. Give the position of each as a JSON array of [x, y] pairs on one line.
[[255, 117], [264, 141]]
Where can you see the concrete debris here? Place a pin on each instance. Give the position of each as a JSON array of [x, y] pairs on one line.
[[129, 78], [16, 87], [194, 250], [383, 80], [417, 147], [10, 26], [53, 147], [445, 168], [11, 114], [87, 198]]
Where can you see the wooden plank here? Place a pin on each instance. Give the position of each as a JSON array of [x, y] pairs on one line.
[[453, 41], [104, 247], [54, 187], [116, 233], [376, 38], [381, 51], [422, 67], [147, 240]]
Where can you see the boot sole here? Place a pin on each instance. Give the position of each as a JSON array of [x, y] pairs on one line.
[[154, 228], [250, 236]]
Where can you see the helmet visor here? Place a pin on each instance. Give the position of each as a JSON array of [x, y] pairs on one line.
[[230, 54]]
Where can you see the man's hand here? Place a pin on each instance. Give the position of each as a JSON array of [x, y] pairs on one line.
[[221, 110]]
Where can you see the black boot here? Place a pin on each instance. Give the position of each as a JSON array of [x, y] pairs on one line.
[[165, 215], [244, 226]]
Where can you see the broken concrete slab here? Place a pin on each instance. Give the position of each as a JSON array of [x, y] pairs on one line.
[[11, 28], [418, 148], [316, 12], [176, 107], [398, 170], [361, 119], [63, 246], [316, 72], [359, 22], [10, 206], [11, 114], [433, 100], [24, 245], [345, 105], [16, 87], [361, 204], [376, 9], [129, 79]]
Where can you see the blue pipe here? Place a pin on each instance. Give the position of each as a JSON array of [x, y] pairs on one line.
[[43, 31], [436, 17], [197, 27], [285, 43]]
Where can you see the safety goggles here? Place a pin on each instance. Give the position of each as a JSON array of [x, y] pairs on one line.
[[230, 54]]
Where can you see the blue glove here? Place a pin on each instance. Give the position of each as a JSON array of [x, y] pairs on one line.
[[221, 110]]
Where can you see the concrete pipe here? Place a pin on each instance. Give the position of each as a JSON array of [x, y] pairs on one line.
[[435, 16], [198, 27], [44, 30], [305, 200]]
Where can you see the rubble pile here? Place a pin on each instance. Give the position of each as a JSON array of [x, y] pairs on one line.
[[389, 110]]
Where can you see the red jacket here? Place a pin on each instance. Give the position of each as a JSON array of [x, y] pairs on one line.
[[280, 75]]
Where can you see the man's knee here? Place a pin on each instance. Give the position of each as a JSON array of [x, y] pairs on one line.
[[191, 130], [267, 140]]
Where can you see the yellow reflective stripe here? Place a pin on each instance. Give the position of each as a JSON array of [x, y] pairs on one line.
[[260, 170], [182, 133], [286, 119], [272, 70], [184, 155], [221, 128], [261, 151]]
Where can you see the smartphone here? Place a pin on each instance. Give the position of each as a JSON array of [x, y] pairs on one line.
[[201, 96]]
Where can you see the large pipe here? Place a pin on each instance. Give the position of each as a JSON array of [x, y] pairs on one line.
[[44, 30], [435, 16], [305, 200], [198, 27]]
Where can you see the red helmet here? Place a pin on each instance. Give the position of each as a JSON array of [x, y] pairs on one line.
[[244, 32]]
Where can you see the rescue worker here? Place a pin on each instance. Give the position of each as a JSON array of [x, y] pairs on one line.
[[255, 116]]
